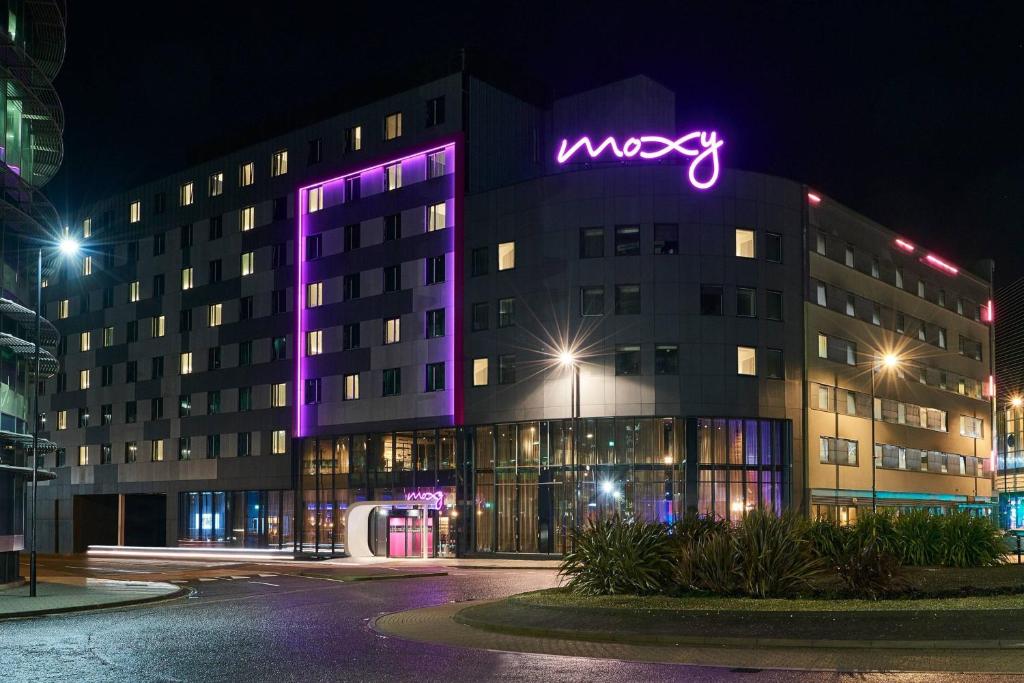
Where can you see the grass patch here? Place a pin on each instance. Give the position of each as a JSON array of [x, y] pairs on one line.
[[562, 598]]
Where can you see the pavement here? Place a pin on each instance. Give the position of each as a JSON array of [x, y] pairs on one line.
[[69, 594]]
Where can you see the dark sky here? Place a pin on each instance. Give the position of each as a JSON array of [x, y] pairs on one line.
[[912, 115]]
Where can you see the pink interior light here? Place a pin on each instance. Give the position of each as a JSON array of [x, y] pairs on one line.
[[813, 198], [936, 262], [990, 387], [905, 245], [988, 312]]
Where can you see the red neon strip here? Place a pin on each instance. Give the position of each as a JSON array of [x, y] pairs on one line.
[[904, 245], [988, 312], [813, 198], [934, 260]]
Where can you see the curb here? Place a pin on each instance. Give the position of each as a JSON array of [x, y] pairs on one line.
[[370, 577], [28, 614], [728, 641]]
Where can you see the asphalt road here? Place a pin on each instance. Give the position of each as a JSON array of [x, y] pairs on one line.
[[287, 627]]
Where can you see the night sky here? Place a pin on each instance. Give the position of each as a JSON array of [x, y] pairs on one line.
[[911, 115]]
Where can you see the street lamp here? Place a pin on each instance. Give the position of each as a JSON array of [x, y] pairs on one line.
[[889, 361], [567, 359], [67, 246]]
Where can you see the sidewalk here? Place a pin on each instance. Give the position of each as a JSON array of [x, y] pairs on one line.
[[446, 562], [71, 594]]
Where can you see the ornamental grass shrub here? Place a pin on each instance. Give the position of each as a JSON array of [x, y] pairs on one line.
[[616, 556], [969, 541]]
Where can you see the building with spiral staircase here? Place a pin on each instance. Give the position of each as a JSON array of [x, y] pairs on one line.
[[32, 44]]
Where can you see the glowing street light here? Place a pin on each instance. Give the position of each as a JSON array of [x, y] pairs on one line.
[[566, 358], [68, 246], [890, 360], [1017, 401]]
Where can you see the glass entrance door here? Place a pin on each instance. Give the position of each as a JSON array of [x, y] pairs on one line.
[[405, 535]]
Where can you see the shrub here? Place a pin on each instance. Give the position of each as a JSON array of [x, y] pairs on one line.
[[866, 569], [774, 556], [613, 556], [969, 541], [919, 538], [880, 528], [693, 527], [709, 563], [828, 540]]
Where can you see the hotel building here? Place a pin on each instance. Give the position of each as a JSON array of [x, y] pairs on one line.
[[1009, 328], [446, 299]]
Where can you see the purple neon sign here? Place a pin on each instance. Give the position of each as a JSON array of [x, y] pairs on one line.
[[433, 498], [700, 146]]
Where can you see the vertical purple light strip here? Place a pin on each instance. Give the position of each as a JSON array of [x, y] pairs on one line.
[[300, 311]]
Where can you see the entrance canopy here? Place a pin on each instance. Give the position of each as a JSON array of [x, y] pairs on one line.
[[357, 524]]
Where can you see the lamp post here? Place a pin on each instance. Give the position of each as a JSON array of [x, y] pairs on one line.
[[888, 361], [68, 246], [567, 359]]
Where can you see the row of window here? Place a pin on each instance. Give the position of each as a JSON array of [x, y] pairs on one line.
[[858, 404], [391, 179], [391, 332], [103, 453], [434, 380], [837, 451]]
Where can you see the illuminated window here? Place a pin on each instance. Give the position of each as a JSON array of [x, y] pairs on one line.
[[315, 199], [62, 309], [246, 174], [108, 335], [744, 243], [247, 218], [436, 164], [84, 377], [899, 277], [393, 126], [133, 291], [216, 315], [279, 442], [353, 139], [480, 368], [248, 263], [279, 395], [186, 278], [159, 326], [392, 176], [279, 163], [314, 342], [186, 194], [135, 212], [506, 256], [314, 294], [83, 455], [86, 341], [87, 265], [848, 256], [822, 346], [186, 363], [87, 228], [971, 427], [156, 450], [436, 217], [746, 360], [351, 387], [216, 185], [62, 420], [392, 330]]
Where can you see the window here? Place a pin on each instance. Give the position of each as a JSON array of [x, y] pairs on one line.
[[158, 285], [774, 368], [507, 369], [773, 305], [108, 297], [942, 298], [186, 363], [248, 263], [435, 111], [392, 227], [184, 405], [244, 399], [627, 240], [592, 300], [278, 348], [87, 265], [315, 199], [392, 385], [278, 442], [353, 188], [83, 379], [437, 164], [352, 236], [62, 309], [106, 414], [627, 299], [480, 370], [942, 337], [435, 269], [106, 375], [86, 228], [314, 342], [350, 287], [480, 263], [353, 139], [970, 348], [821, 294], [186, 278], [314, 246], [279, 163], [899, 277], [876, 314], [216, 227], [506, 312], [244, 445], [311, 391], [85, 341], [316, 147], [83, 417], [506, 256], [216, 184], [848, 255], [392, 177], [393, 126], [212, 446], [392, 278], [773, 247], [851, 305], [591, 242], [279, 208], [836, 349], [436, 218], [819, 243], [666, 359], [213, 402], [746, 302], [746, 360], [131, 413], [835, 451], [710, 300], [480, 316], [971, 427], [314, 294], [184, 448], [901, 322], [351, 387], [185, 320], [216, 271], [435, 323], [159, 326], [135, 212], [744, 243], [350, 336], [627, 359], [392, 330], [920, 288], [83, 455], [186, 194], [875, 268], [62, 420], [156, 450], [247, 218], [435, 377], [246, 174], [278, 395], [133, 291]]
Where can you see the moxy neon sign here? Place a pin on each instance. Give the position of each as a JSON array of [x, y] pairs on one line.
[[702, 146], [433, 498]]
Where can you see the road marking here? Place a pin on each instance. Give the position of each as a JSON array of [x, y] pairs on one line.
[[268, 574], [237, 577], [264, 583], [206, 578]]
